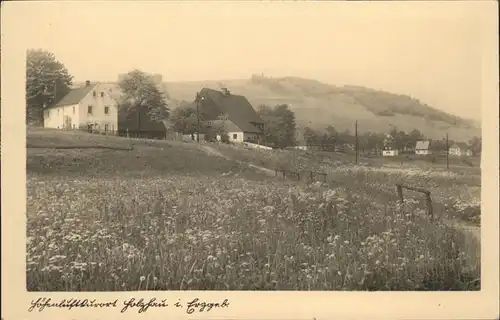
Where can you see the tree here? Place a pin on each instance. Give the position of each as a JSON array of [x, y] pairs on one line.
[[279, 125], [330, 138], [475, 145], [47, 81], [312, 137], [287, 125], [439, 146], [141, 96], [184, 118], [414, 136]]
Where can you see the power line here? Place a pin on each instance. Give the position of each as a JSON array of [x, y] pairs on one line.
[[356, 141], [447, 153]]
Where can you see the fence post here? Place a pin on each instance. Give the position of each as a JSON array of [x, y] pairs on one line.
[[400, 193], [298, 175], [312, 179], [429, 205]]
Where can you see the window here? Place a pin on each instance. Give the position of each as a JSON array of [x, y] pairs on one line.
[[102, 94], [89, 109], [106, 110], [73, 110], [235, 136], [74, 126], [106, 128], [113, 127], [94, 93]]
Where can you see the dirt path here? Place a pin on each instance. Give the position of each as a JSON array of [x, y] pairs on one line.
[[211, 151]]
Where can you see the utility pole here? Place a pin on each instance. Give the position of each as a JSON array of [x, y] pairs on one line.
[[447, 153], [356, 141], [198, 100]]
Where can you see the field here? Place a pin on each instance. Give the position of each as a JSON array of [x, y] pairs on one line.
[[178, 216]]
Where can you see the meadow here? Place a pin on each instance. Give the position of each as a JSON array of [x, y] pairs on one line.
[[169, 216]]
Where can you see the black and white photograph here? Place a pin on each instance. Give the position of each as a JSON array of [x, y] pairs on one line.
[[236, 161], [229, 149]]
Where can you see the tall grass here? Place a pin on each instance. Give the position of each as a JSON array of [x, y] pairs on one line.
[[178, 233], [175, 218]]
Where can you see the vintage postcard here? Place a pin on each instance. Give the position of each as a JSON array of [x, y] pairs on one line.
[[250, 160]]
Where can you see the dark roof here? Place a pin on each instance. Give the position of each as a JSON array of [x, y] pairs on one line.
[[237, 107], [74, 96], [229, 125], [461, 145], [133, 122]]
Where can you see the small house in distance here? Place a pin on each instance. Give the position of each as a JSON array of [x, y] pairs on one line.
[[389, 151], [242, 123], [460, 149], [423, 148], [89, 107]]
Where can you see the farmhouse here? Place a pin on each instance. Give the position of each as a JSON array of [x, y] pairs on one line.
[[460, 149], [390, 151], [241, 121], [423, 148], [89, 107]]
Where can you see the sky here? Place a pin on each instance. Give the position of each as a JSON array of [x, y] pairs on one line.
[[431, 51]]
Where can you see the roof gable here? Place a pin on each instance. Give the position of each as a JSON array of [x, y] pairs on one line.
[[74, 96], [422, 145], [460, 145], [228, 125], [237, 107]]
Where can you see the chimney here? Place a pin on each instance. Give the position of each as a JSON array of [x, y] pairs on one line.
[[225, 91], [87, 83]]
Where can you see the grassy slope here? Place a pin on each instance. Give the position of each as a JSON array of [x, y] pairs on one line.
[[317, 105], [378, 176], [173, 205], [148, 158]]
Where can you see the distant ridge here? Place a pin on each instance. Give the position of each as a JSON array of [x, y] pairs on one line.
[[318, 105]]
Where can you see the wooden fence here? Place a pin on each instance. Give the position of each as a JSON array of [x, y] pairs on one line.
[[312, 176], [305, 174], [427, 193]]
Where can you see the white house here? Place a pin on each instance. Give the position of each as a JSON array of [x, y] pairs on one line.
[[459, 149], [300, 147], [422, 148], [234, 132], [90, 107], [389, 152]]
